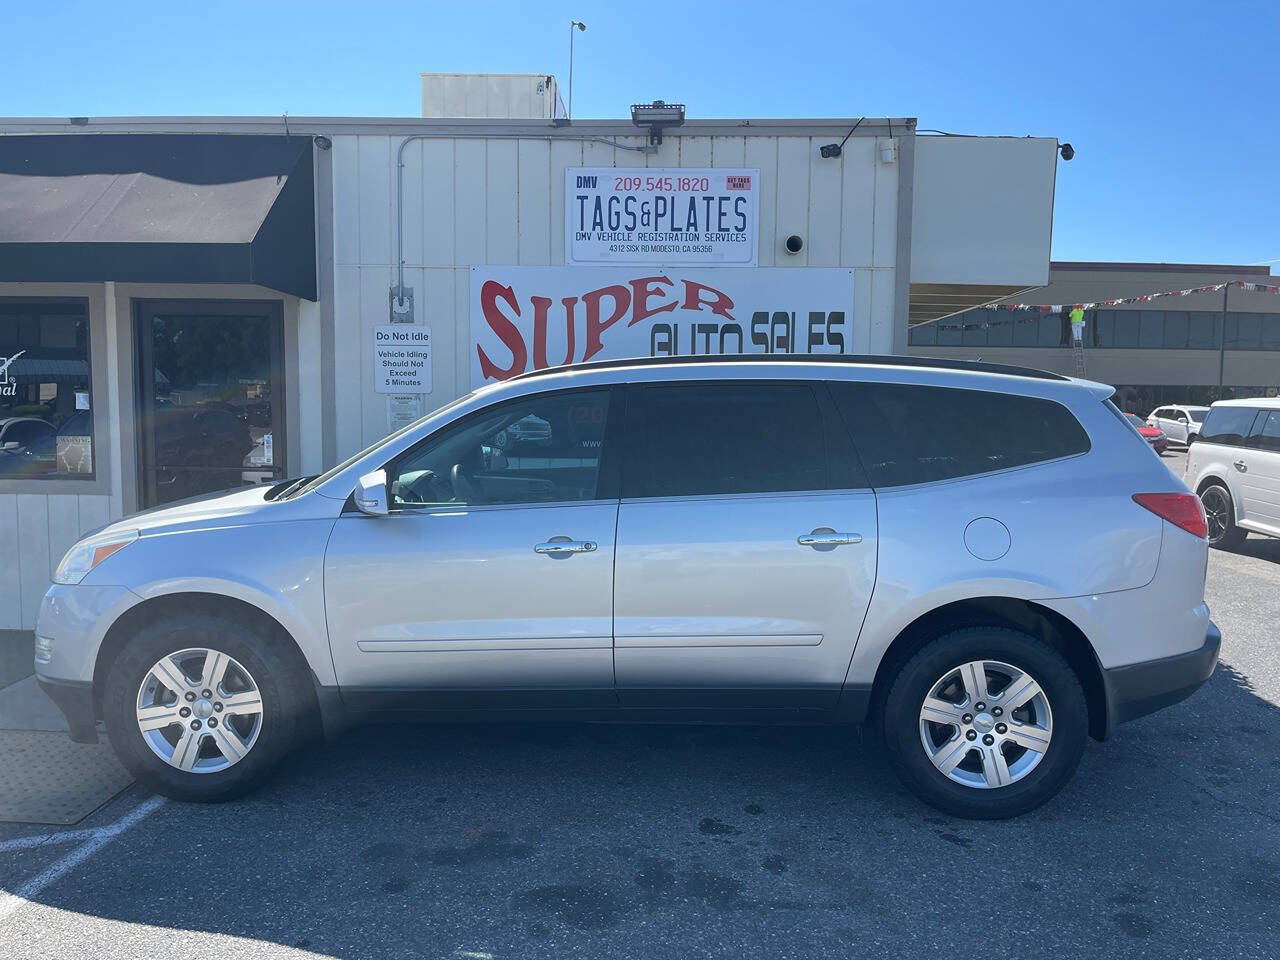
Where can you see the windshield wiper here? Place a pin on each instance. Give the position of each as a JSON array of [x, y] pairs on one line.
[[284, 488]]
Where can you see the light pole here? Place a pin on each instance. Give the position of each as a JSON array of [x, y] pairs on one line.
[[581, 26]]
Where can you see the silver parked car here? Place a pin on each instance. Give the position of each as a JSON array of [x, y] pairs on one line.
[[986, 562], [1235, 467]]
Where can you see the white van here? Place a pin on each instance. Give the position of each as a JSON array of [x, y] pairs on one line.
[[1234, 466]]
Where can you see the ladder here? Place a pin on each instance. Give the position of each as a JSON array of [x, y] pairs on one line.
[[1077, 347]]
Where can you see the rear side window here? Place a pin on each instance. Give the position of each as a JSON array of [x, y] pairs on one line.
[[1269, 435], [723, 438], [907, 433], [1228, 425]]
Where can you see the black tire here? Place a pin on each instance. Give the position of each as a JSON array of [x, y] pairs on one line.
[[1220, 498], [284, 688], [914, 680]]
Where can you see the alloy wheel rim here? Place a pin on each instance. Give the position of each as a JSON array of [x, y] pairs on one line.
[[1215, 513], [199, 710], [986, 724]]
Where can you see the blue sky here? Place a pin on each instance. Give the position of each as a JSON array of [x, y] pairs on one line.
[[1171, 106]]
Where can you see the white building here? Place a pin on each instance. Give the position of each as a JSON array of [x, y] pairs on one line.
[[196, 302]]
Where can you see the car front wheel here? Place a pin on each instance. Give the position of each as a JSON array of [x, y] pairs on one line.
[[985, 723], [202, 707]]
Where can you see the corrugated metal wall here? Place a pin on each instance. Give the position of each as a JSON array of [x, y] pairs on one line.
[[35, 530], [501, 201]]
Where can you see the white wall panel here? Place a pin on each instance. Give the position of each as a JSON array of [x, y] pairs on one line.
[[377, 227], [1006, 228], [346, 199], [470, 177], [502, 224], [762, 154], [857, 201], [793, 197], [825, 209], [11, 568], [535, 214], [33, 548], [436, 218], [884, 251]]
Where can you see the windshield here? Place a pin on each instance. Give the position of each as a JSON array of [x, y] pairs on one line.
[[334, 471], [1136, 420], [1197, 415]]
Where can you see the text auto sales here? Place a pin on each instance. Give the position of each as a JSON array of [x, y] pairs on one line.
[[648, 298]]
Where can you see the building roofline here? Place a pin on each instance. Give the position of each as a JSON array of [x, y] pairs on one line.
[[452, 127], [1252, 269]]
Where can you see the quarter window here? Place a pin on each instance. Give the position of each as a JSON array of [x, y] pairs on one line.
[[908, 434], [1269, 437], [726, 438], [1228, 425], [541, 449]]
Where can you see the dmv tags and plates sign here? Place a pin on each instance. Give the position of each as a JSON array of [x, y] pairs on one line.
[[624, 215]]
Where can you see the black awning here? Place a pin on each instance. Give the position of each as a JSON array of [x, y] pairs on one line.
[[158, 208]]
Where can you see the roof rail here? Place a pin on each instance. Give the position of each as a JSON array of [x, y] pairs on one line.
[[876, 360]]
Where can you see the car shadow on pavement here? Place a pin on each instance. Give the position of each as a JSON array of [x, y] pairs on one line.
[[659, 841], [1262, 548]]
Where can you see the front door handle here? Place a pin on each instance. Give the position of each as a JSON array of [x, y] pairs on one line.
[[560, 546], [820, 538], [1241, 466]]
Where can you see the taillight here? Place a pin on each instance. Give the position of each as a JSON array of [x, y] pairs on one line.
[[1181, 509]]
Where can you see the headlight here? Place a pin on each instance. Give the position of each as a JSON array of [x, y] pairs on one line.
[[88, 553]]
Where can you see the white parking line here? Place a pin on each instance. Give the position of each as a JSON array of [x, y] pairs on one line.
[[11, 903]]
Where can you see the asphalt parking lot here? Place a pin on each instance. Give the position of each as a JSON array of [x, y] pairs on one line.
[[653, 841]]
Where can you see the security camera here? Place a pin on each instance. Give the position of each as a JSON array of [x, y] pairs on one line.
[[829, 150], [1067, 151], [794, 244]]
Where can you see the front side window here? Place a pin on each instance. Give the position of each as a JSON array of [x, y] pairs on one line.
[[726, 438], [1228, 425], [46, 414], [908, 434], [543, 449]]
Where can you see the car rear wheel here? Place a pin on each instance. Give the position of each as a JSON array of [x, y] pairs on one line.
[[985, 723], [202, 707], [1220, 517]]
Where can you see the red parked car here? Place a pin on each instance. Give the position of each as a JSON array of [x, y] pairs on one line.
[[1153, 435]]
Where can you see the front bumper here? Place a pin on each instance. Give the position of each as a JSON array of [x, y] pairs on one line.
[[75, 700], [1141, 688]]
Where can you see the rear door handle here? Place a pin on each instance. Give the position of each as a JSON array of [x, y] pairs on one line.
[[1241, 466], [558, 546], [821, 539]]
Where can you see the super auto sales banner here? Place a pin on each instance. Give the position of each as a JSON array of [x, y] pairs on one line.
[[530, 318]]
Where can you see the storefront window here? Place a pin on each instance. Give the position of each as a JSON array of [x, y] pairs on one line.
[[46, 410]]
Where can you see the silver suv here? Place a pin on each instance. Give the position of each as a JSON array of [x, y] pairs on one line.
[[987, 562]]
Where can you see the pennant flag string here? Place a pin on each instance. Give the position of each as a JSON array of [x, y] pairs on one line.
[[1042, 308]]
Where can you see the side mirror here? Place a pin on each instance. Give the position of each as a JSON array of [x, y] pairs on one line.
[[11, 445], [371, 493]]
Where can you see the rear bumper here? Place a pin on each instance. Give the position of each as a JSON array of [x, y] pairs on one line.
[[75, 700], [1141, 688]]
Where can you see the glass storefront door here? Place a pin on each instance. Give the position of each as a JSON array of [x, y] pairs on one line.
[[210, 380]]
